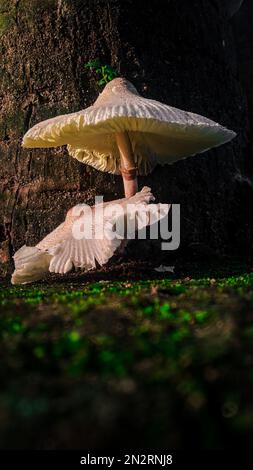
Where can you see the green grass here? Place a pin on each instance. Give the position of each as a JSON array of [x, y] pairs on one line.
[[170, 358]]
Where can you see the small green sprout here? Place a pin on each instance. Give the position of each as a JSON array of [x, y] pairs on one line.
[[105, 72]]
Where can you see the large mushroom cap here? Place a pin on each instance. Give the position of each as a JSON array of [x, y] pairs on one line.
[[159, 133]]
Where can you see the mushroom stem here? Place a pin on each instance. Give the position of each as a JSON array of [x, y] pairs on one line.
[[127, 163]]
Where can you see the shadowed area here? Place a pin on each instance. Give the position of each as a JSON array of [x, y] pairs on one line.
[[155, 362]]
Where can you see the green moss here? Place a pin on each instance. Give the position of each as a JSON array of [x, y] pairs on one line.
[[4, 23], [7, 16], [180, 337]]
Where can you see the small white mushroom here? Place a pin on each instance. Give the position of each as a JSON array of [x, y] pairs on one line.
[[61, 250], [122, 132]]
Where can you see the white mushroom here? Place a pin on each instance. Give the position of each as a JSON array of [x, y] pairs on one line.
[[61, 250], [122, 132]]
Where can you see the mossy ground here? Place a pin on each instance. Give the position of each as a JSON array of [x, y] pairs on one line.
[[150, 363]]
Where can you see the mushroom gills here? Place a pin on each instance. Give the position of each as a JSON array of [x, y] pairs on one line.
[[60, 250]]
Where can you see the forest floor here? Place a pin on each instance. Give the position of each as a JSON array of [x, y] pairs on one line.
[[162, 361]]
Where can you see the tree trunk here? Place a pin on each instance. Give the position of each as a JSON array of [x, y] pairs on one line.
[[242, 24], [178, 52]]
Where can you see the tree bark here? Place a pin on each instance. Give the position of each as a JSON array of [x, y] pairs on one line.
[[178, 52]]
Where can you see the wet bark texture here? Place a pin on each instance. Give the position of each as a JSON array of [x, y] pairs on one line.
[[178, 52], [242, 26]]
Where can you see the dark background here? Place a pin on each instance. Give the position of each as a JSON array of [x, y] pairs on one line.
[[242, 27], [191, 55]]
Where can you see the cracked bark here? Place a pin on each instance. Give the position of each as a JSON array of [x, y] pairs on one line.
[[185, 60]]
